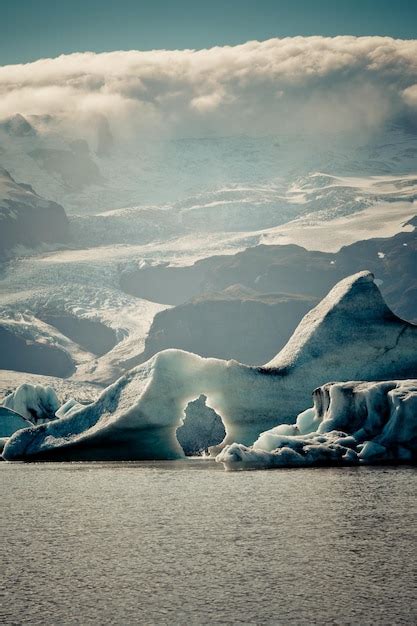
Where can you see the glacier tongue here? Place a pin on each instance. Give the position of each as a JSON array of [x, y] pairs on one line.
[[351, 334]]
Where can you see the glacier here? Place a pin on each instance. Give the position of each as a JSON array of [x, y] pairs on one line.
[[366, 187], [350, 423], [350, 335]]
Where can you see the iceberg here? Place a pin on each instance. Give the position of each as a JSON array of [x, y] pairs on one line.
[[10, 422], [38, 403], [350, 423], [351, 334]]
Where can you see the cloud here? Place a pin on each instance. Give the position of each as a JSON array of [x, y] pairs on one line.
[[316, 84], [410, 96]]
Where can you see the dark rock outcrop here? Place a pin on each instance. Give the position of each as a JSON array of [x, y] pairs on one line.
[[237, 323], [26, 218], [289, 269]]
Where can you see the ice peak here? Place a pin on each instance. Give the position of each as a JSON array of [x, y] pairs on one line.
[[348, 313]]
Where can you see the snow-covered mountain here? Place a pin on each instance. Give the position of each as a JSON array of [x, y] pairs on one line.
[[27, 219], [209, 177], [154, 224], [285, 269]]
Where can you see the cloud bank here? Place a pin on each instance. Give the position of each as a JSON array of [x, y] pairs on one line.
[[316, 84]]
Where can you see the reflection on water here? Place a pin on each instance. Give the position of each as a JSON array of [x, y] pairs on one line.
[[186, 543]]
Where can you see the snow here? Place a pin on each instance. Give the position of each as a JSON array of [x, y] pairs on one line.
[[351, 329], [157, 172], [350, 334], [229, 194], [83, 288], [350, 423], [35, 402], [318, 231], [33, 330], [27, 219]]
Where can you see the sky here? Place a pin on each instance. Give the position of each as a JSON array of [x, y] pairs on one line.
[[187, 68], [30, 29]]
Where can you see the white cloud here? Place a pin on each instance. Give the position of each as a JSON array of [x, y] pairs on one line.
[[410, 96], [313, 83]]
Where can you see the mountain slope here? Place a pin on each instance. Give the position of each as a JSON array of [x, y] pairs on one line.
[[288, 269], [232, 324], [26, 218]]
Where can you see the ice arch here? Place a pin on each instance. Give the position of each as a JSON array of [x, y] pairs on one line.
[[137, 417], [351, 334]]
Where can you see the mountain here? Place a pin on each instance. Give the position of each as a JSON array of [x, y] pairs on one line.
[[230, 183], [237, 323], [26, 218], [17, 126], [287, 269], [178, 200], [39, 150]]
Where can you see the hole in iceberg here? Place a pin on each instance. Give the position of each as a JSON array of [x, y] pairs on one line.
[[202, 428]]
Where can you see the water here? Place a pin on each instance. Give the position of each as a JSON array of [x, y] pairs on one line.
[[187, 543]]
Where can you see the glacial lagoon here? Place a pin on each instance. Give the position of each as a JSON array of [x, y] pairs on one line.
[[183, 542]]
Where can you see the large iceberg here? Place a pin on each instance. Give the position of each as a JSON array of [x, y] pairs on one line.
[[351, 334], [352, 422]]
